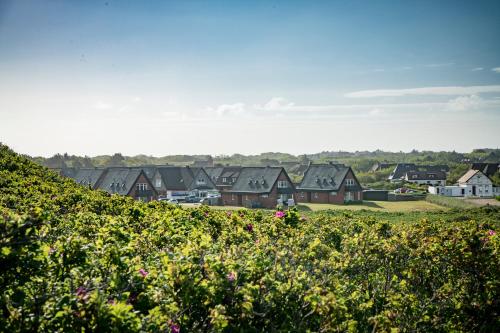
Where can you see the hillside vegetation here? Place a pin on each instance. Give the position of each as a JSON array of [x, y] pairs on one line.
[[74, 259]]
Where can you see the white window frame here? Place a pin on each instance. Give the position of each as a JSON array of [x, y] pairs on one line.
[[282, 184], [142, 186]]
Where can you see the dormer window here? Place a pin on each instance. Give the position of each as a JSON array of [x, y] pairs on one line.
[[349, 182], [224, 179]]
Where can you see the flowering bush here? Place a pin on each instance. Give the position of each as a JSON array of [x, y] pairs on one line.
[[73, 259]]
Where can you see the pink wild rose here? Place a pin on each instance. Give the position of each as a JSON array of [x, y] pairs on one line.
[[174, 328], [143, 272], [231, 277], [279, 214]]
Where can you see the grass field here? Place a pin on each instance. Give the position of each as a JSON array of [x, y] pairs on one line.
[[387, 206], [382, 206]]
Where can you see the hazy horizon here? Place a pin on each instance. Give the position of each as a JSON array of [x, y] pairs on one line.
[[218, 77]]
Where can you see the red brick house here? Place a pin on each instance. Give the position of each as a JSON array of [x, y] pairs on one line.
[[329, 183], [260, 187]]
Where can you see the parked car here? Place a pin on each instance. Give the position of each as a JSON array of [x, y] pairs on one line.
[[173, 201], [210, 201]]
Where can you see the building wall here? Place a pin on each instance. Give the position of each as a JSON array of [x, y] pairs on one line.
[[448, 191], [142, 179], [434, 182], [262, 200], [483, 186], [338, 197]]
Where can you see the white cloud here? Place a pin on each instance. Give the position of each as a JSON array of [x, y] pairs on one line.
[[228, 109], [465, 103], [276, 103], [470, 90], [496, 69], [136, 99], [477, 69]]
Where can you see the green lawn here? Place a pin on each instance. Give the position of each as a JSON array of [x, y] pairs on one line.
[[381, 206], [387, 206]]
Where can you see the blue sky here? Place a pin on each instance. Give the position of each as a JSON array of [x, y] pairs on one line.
[[221, 77]]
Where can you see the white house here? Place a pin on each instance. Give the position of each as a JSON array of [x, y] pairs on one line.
[[426, 177], [473, 183]]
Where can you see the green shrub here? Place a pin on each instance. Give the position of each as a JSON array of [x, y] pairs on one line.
[[73, 259]]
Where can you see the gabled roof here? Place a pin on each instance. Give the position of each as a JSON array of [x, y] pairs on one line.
[[223, 172], [89, 176], [323, 177], [426, 175], [401, 169], [257, 179], [201, 173], [119, 180], [214, 172], [149, 171], [176, 178], [489, 169], [183, 178], [468, 175]]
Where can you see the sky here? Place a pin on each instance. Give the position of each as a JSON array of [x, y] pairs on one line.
[[224, 77]]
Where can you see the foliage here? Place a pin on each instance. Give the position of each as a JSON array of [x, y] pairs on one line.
[[79, 260]]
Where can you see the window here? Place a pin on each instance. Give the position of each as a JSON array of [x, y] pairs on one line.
[[315, 195], [264, 196], [234, 179], [302, 194], [282, 184], [142, 187], [158, 182], [224, 179], [349, 182], [415, 176], [232, 197], [200, 181]]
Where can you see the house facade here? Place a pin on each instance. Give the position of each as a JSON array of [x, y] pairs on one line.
[[173, 182], [434, 178], [401, 169], [329, 183], [473, 183], [260, 187]]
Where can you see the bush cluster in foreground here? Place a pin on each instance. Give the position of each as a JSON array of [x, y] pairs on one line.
[[74, 259]]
